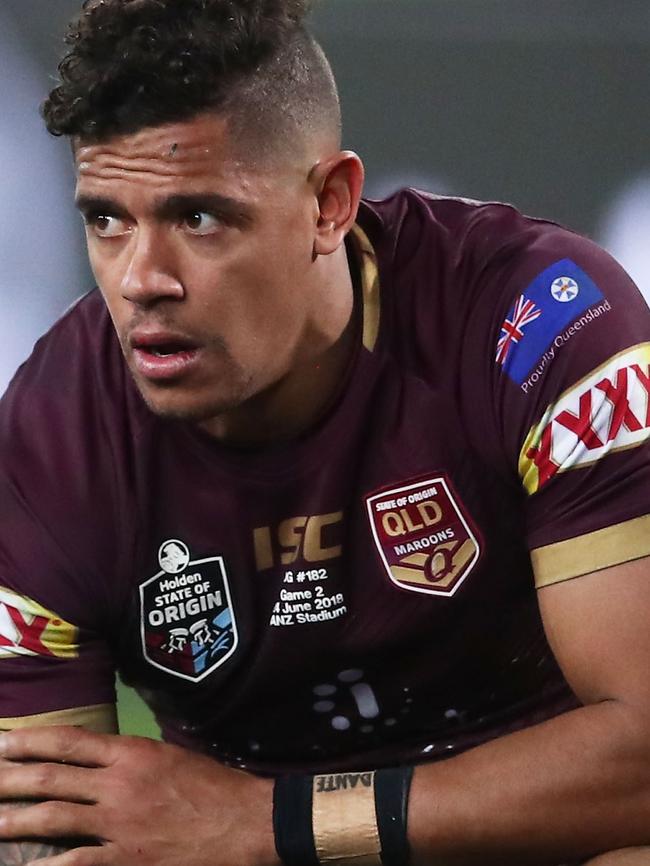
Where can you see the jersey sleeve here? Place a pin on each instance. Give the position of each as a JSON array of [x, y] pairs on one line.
[[569, 373], [54, 666], [57, 546]]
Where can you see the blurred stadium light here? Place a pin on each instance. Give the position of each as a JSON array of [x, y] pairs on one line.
[[40, 246], [626, 230]]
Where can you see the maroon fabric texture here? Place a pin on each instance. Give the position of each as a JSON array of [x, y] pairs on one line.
[[91, 486]]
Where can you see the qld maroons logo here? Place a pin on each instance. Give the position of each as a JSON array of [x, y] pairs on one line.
[[423, 537], [187, 620]]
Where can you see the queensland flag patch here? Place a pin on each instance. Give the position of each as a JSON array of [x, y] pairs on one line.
[[552, 301]]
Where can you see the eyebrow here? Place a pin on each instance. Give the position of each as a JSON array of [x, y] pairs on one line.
[[171, 207], [88, 204]]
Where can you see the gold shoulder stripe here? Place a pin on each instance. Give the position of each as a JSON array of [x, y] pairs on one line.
[[592, 552], [369, 287], [101, 718]]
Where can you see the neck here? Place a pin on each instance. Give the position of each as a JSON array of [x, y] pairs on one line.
[[295, 402]]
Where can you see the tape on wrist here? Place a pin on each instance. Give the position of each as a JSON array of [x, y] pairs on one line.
[[347, 819]]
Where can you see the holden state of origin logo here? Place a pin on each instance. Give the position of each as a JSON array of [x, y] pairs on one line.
[[424, 538], [188, 625]]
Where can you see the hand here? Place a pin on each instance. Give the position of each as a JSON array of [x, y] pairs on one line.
[[142, 801]]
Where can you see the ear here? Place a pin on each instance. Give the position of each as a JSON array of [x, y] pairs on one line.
[[338, 182]]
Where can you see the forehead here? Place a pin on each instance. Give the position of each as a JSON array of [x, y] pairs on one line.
[[170, 157]]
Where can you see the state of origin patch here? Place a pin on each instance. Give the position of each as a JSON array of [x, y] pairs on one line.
[[188, 624], [424, 538]]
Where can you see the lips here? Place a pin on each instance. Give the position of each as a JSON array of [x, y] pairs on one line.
[[163, 350], [163, 355]]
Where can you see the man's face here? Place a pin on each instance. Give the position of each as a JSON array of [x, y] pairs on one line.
[[205, 261]]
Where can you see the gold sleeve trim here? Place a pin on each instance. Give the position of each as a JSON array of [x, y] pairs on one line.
[[101, 718], [369, 287], [344, 819], [613, 545]]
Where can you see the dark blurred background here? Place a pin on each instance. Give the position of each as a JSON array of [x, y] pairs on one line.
[[542, 103]]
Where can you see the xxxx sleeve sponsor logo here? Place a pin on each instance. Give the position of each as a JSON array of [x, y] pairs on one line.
[[27, 629], [605, 412]]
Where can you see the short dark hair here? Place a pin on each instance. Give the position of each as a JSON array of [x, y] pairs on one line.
[[134, 64]]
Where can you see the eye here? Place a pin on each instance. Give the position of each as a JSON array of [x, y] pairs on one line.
[[106, 226], [202, 223]]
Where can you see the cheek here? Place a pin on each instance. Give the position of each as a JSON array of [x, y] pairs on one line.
[[96, 267], [262, 328], [280, 297], [105, 273], [256, 293], [118, 308]]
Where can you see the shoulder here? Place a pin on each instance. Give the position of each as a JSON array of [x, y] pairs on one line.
[[463, 264], [65, 458], [69, 416], [416, 225], [81, 344], [74, 378], [457, 258], [450, 270]]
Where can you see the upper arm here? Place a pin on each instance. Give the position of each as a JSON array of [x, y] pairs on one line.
[[55, 663], [597, 626], [569, 385], [571, 398]]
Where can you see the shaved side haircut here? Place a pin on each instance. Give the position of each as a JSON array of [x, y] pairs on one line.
[[134, 64]]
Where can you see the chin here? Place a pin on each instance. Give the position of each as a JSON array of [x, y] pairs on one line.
[[192, 408]]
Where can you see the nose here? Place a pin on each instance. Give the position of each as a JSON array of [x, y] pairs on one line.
[[150, 274]]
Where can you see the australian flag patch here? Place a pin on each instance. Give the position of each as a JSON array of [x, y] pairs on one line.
[[552, 301]]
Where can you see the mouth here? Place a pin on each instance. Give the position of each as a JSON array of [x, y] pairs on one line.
[[161, 356], [164, 350]]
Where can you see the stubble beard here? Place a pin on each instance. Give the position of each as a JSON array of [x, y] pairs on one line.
[[200, 408], [196, 412]]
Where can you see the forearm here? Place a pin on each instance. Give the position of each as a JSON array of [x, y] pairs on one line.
[[19, 853], [574, 786]]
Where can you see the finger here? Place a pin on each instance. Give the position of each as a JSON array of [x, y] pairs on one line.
[[51, 819], [79, 857], [62, 744], [48, 782]]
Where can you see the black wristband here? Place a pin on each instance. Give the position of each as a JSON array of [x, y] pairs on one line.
[[292, 821], [392, 787]]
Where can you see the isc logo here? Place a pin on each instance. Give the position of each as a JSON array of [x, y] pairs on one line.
[[607, 411], [312, 539]]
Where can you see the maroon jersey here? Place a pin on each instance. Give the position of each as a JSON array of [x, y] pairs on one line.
[[363, 595]]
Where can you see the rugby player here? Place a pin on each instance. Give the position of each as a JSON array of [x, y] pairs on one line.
[[354, 493]]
